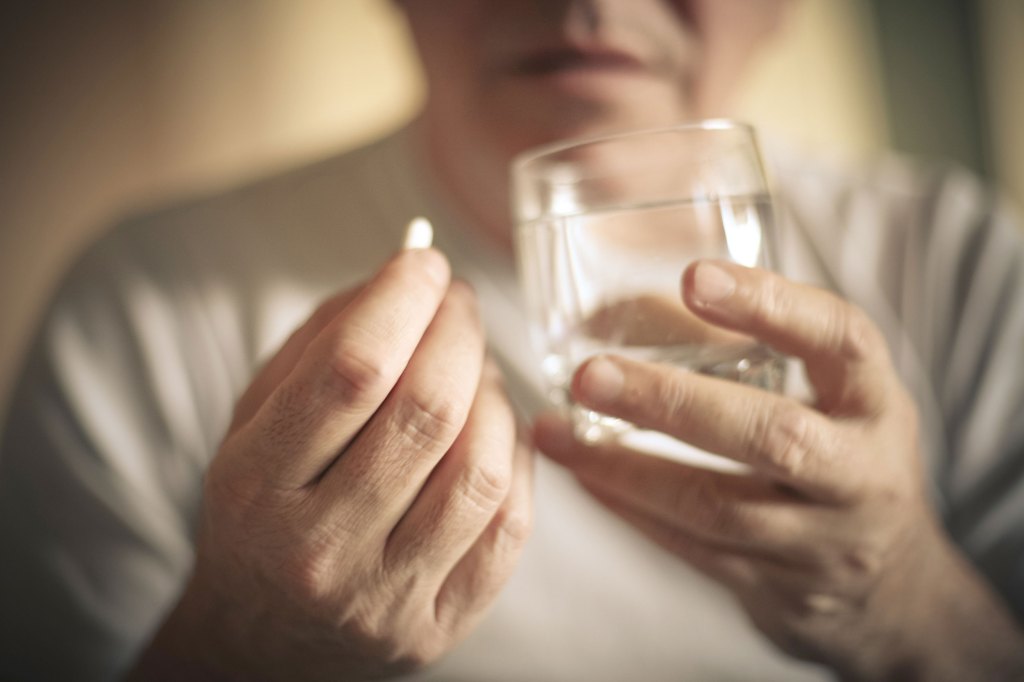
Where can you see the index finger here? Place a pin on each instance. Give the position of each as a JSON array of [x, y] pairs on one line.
[[284, 360], [846, 357], [777, 436], [346, 371]]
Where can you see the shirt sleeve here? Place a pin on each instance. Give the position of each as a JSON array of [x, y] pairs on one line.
[[971, 303], [110, 427]]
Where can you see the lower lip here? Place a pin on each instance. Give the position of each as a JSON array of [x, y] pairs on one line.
[[586, 79]]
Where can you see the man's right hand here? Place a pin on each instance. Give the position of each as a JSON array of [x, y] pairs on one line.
[[369, 500]]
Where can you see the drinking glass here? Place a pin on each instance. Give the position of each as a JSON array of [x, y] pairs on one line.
[[604, 230]]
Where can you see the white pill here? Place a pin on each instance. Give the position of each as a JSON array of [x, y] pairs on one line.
[[419, 234]]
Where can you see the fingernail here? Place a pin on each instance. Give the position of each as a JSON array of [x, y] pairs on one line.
[[601, 382], [712, 284]]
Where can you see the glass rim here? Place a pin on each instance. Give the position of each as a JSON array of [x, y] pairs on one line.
[[525, 158]]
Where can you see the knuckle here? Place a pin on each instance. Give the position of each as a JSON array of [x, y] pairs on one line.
[[853, 332], [781, 440], [415, 653], [355, 370], [514, 525], [287, 417], [485, 485], [309, 575], [669, 397], [861, 564], [769, 303], [718, 516], [372, 629], [237, 491], [432, 421]]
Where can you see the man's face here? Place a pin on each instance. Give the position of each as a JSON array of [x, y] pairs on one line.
[[524, 72]]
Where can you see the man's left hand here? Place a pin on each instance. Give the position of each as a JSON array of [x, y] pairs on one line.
[[830, 543]]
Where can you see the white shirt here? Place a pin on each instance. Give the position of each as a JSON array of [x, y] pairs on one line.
[[161, 325]]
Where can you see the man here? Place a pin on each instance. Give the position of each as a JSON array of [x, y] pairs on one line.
[[366, 512]]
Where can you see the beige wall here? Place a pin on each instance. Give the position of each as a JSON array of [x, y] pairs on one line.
[[116, 105], [113, 105], [818, 86]]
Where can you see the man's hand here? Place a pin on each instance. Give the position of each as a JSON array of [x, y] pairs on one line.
[[830, 543], [368, 501]]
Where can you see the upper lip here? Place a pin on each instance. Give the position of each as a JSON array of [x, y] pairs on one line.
[[550, 59]]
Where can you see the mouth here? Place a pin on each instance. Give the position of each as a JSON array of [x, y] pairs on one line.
[[556, 61]]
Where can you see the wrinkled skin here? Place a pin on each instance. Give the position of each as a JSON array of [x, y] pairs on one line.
[[829, 543], [371, 497], [369, 500]]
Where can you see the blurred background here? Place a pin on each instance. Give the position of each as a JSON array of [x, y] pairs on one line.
[[110, 107]]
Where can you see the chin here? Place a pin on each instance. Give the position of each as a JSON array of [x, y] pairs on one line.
[[534, 131]]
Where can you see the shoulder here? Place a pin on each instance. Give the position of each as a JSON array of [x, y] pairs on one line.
[[895, 222], [187, 300], [892, 193], [307, 230], [275, 220]]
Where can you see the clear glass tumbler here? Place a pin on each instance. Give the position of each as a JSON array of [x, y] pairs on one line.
[[605, 229]]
